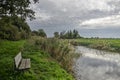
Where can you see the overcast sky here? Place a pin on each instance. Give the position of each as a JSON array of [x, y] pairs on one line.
[[90, 17]]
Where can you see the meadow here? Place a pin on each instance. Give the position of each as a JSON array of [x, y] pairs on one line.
[[43, 66], [102, 44]]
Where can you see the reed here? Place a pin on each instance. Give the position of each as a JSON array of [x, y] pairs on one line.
[[60, 50]]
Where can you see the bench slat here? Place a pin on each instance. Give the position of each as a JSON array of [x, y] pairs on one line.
[[27, 63], [22, 65], [18, 59]]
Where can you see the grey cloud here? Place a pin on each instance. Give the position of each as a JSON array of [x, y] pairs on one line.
[[65, 16]]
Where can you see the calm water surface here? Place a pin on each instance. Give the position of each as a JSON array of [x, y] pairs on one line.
[[96, 65]]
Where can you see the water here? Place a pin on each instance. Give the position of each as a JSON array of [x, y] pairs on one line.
[[96, 65]]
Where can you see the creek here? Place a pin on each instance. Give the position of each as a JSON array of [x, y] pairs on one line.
[[96, 64]]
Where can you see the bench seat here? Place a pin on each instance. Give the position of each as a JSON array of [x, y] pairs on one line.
[[20, 63], [25, 64]]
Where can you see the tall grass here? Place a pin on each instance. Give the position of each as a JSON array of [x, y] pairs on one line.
[[102, 44], [60, 50]]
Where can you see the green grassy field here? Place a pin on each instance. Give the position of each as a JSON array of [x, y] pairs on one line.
[[43, 67], [103, 44]]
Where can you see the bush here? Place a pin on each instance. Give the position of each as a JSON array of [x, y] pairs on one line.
[[13, 29]]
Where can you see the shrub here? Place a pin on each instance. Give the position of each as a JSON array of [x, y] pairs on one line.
[[13, 29]]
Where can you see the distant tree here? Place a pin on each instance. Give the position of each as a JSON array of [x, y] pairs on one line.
[[56, 34], [42, 33], [34, 33], [70, 34], [62, 34], [75, 34]]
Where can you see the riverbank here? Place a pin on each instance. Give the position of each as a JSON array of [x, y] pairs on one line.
[[101, 44], [43, 66]]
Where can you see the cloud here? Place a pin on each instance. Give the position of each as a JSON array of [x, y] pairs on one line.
[[42, 16], [82, 5], [104, 22], [58, 15], [75, 8]]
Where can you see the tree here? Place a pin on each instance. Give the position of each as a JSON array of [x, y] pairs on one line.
[[15, 8], [13, 15], [35, 33], [69, 34], [56, 34], [15, 12], [42, 33], [75, 34], [62, 34]]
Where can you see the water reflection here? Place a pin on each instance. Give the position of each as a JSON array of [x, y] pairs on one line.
[[97, 65]]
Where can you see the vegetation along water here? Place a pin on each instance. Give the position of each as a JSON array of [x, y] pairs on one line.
[[102, 44]]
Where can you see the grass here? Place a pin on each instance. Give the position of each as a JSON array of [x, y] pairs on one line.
[[102, 44], [43, 66], [60, 50]]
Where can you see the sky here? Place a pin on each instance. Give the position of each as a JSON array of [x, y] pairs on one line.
[[92, 18]]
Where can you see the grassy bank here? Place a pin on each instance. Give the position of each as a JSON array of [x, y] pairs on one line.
[[43, 66], [58, 49], [102, 44]]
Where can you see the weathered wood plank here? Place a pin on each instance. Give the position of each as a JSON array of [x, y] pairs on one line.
[[22, 65], [18, 59], [28, 65]]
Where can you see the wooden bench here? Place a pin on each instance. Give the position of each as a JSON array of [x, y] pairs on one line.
[[20, 63]]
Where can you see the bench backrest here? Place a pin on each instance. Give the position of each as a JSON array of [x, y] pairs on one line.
[[18, 58]]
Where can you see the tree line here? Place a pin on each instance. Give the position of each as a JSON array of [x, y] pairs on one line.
[[67, 35]]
